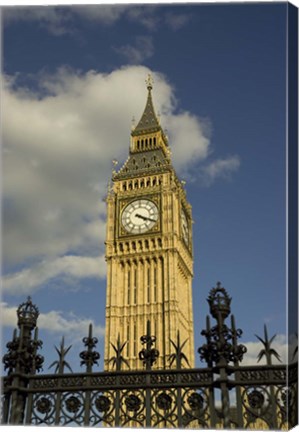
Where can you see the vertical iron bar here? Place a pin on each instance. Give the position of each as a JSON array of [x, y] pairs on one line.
[[237, 378], [29, 407], [57, 407], [148, 401], [213, 418], [148, 378], [87, 403], [223, 377], [225, 403], [117, 405], [88, 371], [179, 404], [211, 390]]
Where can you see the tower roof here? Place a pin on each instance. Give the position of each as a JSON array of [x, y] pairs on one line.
[[149, 121]]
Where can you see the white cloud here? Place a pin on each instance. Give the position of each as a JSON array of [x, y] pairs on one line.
[[141, 50], [220, 168], [58, 144], [54, 321], [59, 20], [55, 20], [104, 14], [177, 21], [32, 278], [145, 15], [182, 130]]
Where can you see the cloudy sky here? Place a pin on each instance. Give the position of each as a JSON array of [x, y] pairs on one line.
[[73, 80]]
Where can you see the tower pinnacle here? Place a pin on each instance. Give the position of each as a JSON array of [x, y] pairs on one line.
[[149, 122], [149, 82]]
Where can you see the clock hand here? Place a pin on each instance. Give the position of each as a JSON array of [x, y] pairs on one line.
[[140, 216], [144, 217]]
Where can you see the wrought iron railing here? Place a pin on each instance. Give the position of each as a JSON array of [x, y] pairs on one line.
[[223, 394]]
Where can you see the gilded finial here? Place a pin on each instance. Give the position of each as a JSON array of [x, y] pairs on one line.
[[133, 123], [149, 82]]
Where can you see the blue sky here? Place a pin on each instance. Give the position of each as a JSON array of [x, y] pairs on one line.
[[74, 78]]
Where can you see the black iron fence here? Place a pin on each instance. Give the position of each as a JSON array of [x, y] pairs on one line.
[[223, 394]]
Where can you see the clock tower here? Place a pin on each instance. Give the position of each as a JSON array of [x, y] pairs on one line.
[[148, 249]]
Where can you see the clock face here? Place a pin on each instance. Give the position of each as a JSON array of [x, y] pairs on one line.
[[139, 216], [185, 228]]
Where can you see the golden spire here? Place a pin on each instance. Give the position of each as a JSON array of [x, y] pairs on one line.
[[149, 121], [149, 82]]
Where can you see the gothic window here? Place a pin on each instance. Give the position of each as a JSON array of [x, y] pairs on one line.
[[124, 186], [135, 341], [148, 284], [128, 338], [136, 184], [129, 287], [135, 286], [154, 182], [155, 284], [130, 186], [154, 140], [142, 183]]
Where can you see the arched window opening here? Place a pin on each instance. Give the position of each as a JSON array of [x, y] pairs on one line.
[[129, 288], [155, 284], [128, 338], [135, 341], [148, 284], [135, 286]]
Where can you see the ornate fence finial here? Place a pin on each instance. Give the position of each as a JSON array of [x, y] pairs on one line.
[[268, 352], [27, 314], [148, 354], [221, 341], [89, 357], [22, 349], [118, 359], [61, 363], [219, 302], [10, 359], [178, 356]]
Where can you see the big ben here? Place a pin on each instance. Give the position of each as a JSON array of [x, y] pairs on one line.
[[148, 249]]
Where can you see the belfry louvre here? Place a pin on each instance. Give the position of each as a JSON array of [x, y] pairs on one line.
[[149, 378]]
